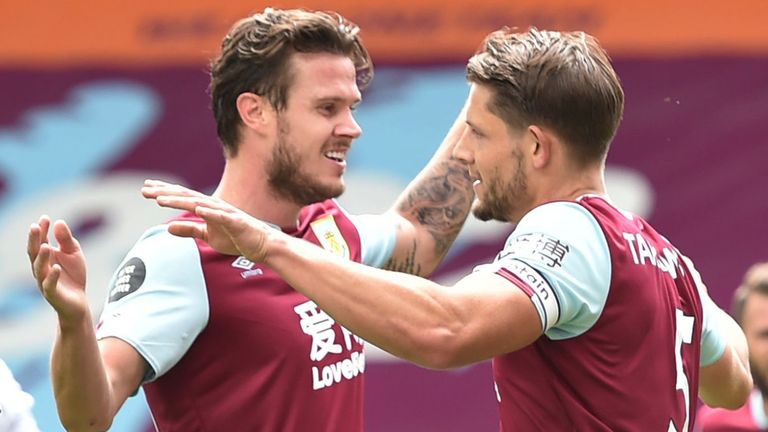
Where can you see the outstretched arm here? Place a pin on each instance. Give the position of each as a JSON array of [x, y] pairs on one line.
[[432, 209], [408, 316], [91, 379], [435, 326]]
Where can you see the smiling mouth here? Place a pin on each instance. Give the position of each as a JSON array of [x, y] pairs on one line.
[[337, 156]]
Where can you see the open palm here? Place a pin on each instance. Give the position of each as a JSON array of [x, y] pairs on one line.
[[60, 271]]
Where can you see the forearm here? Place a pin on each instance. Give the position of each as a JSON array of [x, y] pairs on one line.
[[80, 384], [728, 382], [436, 204], [400, 313]]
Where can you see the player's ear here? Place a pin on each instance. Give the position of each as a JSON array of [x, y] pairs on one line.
[[540, 146], [256, 112]]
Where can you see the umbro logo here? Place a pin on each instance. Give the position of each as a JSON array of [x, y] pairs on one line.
[[247, 265], [242, 263]]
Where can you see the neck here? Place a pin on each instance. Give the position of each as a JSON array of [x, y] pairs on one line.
[[575, 183], [247, 188]]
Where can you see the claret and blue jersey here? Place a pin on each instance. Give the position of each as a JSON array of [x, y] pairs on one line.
[[230, 344], [626, 322]]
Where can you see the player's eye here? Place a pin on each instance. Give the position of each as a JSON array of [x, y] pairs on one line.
[[328, 109]]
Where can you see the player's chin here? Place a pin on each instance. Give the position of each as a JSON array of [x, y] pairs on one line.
[[486, 211], [336, 192], [334, 187], [480, 211]]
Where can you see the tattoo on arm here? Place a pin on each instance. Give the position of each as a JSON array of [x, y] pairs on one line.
[[439, 201], [407, 265]]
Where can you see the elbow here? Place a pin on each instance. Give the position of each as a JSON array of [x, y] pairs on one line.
[[86, 425], [438, 349], [733, 398], [732, 403], [437, 337], [741, 391], [739, 395], [442, 362]]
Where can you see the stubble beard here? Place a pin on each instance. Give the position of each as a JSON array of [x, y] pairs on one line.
[[760, 377], [500, 200], [287, 178]]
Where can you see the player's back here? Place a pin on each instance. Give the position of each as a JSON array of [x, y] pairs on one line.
[[636, 367]]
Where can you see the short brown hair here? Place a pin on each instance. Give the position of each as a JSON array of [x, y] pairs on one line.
[[255, 57], [755, 281], [560, 80]]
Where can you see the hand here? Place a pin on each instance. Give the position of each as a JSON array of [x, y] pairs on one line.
[[169, 195], [59, 271], [227, 229]]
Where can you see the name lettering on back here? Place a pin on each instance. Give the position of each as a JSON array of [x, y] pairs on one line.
[[644, 253]]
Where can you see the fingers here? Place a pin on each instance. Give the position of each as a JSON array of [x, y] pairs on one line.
[[156, 188], [50, 282], [180, 197], [247, 235], [178, 202], [45, 223], [33, 242], [231, 219], [189, 229], [38, 235], [67, 242], [190, 204], [234, 224], [41, 264], [226, 219]]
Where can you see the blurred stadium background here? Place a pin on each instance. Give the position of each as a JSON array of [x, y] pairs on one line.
[[97, 96]]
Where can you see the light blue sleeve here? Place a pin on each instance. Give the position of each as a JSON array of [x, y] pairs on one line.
[[378, 235], [157, 300], [559, 254], [713, 336]]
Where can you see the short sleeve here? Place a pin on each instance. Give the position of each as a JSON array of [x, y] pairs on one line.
[[559, 256], [157, 299], [713, 337], [378, 235]]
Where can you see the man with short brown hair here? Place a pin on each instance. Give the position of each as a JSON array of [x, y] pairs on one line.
[[221, 343], [594, 320]]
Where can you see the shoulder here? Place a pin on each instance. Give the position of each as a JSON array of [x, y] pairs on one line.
[[563, 226], [157, 243], [557, 216], [559, 247], [156, 259]]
